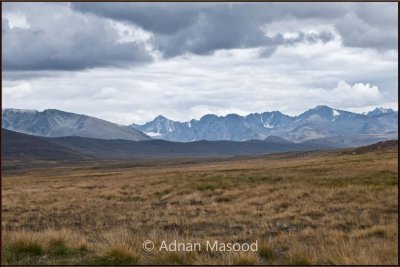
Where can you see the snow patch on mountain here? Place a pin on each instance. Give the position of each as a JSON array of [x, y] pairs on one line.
[[267, 125], [153, 134], [384, 110], [335, 112]]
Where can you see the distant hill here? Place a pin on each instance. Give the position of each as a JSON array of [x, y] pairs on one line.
[[276, 139], [56, 123], [19, 146], [352, 140], [318, 122], [380, 146]]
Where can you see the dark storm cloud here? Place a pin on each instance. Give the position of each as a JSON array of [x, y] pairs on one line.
[[358, 32], [43, 53], [169, 18], [64, 36], [204, 28], [57, 38], [162, 18], [5, 25]]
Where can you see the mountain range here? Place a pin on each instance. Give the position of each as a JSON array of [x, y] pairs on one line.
[[319, 122], [321, 125]]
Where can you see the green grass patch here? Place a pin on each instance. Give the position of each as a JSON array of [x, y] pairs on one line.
[[115, 257], [299, 261], [58, 249], [377, 233], [244, 261], [223, 199], [266, 253], [377, 179], [108, 197], [174, 258], [27, 247], [130, 199], [26, 251], [162, 193], [230, 181]]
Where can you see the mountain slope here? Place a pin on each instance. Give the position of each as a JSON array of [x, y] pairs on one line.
[[56, 123]]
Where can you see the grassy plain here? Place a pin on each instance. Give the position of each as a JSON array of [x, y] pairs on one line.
[[338, 207]]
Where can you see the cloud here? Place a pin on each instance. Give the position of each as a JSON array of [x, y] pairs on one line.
[[16, 20], [346, 96], [17, 91], [5, 25], [291, 80], [106, 93], [205, 27], [163, 18], [76, 36], [59, 39], [202, 28], [358, 92], [357, 32]]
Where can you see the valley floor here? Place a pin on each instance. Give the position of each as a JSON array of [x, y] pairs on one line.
[[338, 207]]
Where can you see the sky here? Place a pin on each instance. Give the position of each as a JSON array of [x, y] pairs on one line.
[[129, 62]]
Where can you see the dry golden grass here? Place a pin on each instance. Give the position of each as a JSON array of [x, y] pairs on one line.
[[303, 208]]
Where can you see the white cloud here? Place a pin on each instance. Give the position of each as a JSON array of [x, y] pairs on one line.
[[19, 90], [346, 96], [16, 20], [106, 93], [364, 94]]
